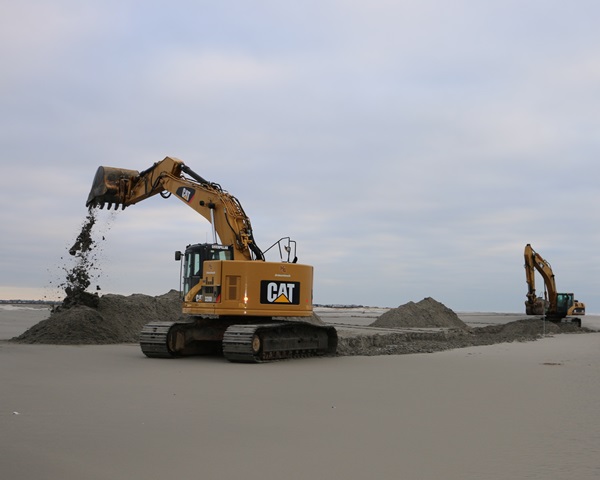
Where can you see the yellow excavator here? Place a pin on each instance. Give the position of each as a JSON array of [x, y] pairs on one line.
[[555, 306], [234, 301]]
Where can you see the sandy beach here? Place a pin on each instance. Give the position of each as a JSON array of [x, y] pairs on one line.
[[512, 410]]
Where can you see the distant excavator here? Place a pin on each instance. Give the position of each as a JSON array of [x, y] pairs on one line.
[[555, 306]]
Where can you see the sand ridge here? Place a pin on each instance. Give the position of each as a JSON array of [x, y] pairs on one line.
[[425, 326]]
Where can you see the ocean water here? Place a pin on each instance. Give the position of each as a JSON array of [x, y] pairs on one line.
[[16, 319], [18, 308]]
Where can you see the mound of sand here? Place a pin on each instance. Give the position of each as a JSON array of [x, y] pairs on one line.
[[528, 328], [428, 313], [116, 319]]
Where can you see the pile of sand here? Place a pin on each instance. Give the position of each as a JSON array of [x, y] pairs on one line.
[[87, 318], [428, 313], [116, 319], [527, 328]]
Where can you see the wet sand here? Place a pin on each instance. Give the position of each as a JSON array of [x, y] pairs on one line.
[[519, 410]]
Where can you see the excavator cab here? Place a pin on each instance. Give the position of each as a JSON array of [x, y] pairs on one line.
[[564, 301], [194, 258]]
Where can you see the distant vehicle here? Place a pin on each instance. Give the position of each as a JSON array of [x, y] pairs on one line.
[[556, 306]]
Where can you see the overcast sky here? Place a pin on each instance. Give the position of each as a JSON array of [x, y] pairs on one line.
[[411, 147]]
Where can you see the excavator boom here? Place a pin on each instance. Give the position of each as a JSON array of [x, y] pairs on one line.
[[120, 187], [534, 262]]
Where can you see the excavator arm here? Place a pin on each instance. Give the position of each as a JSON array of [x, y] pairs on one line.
[[534, 262], [121, 188]]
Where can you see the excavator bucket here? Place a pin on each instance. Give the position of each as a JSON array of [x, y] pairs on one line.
[[539, 307], [110, 187]]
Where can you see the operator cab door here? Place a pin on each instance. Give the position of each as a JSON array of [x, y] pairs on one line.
[[195, 255], [564, 301]]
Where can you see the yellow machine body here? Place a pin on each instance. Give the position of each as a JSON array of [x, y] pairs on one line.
[[251, 288]]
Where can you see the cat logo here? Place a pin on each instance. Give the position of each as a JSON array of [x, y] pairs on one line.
[[186, 193], [280, 292]]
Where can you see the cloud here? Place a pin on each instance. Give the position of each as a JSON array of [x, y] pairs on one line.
[[411, 148], [36, 36], [198, 75]]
